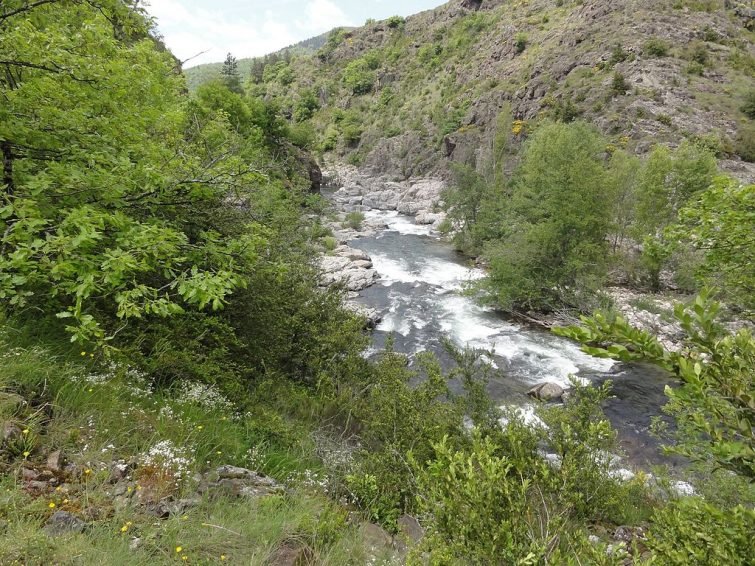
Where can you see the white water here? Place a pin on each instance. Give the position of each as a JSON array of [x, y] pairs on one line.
[[420, 295]]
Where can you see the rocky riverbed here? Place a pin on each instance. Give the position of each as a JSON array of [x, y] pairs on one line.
[[350, 192]]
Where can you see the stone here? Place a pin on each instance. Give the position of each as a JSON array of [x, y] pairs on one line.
[[62, 523], [28, 474], [627, 534], [546, 391], [410, 528], [119, 472], [291, 553], [10, 432], [135, 543], [55, 461], [376, 537]]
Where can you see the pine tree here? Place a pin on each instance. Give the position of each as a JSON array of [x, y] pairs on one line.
[[230, 74]]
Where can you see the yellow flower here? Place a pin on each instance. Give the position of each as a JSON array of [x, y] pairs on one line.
[[179, 549], [129, 523], [58, 488], [83, 353], [200, 427], [25, 431], [129, 489], [87, 472], [65, 501], [91, 355], [51, 505], [184, 558], [90, 390], [26, 454], [219, 452], [222, 556], [124, 528]]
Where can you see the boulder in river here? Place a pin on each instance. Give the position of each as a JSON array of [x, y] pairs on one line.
[[546, 391]]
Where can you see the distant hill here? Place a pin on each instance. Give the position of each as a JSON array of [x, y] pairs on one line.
[[202, 73]]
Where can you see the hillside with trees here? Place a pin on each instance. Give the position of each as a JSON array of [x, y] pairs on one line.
[[177, 384]]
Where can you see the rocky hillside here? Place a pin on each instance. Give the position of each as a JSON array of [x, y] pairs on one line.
[[406, 97]]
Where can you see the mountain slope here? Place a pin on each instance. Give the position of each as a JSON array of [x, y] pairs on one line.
[[406, 97]]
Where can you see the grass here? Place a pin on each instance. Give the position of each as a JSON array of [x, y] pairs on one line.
[[100, 413]]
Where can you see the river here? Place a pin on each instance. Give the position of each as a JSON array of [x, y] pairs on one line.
[[420, 296]]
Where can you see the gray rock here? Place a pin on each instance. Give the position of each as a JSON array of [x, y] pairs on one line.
[[63, 522], [546, 391], [410, 528], [55, 461], [10, 432]]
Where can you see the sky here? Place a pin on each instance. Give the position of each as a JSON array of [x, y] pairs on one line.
[[250, 28]]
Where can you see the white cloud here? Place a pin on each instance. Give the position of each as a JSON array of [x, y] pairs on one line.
[[323, 15], [189, 30]]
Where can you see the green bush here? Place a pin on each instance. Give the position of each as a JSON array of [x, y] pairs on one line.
[[690, 531], [656, 47], [520, 42], [330, 243], [395, 22], [359, 77], [745, 143], [748, 108], [619, 84], [354, 220]]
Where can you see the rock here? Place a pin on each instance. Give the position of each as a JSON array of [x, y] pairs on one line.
[[376, 537], [135, 543], [55, 461], [119, 472], [410, 528], [240, 482], [291, 553], [28, 474], [628, 534], [63, 522], [167, 507], [546, 391], [10, 432]]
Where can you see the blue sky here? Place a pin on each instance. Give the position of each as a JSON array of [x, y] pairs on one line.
[[248, 28]]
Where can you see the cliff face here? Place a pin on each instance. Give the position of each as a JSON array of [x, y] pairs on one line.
[[404, 98]]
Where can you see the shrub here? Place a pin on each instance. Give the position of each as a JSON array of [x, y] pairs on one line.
[[656, 48], [354, 220], [690, 531], [520, 42], [745, 144], [359, 77], [330, 243], [395, 22], [619, 85], [695, 68], [748, 108]]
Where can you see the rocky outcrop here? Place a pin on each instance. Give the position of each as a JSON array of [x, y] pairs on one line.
[[415, 197], [349, 267]]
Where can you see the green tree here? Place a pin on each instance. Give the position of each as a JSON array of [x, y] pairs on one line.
[[359, 77], [670, 178], [553, 241], [230, 74], [113, 197], [720, 223]]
